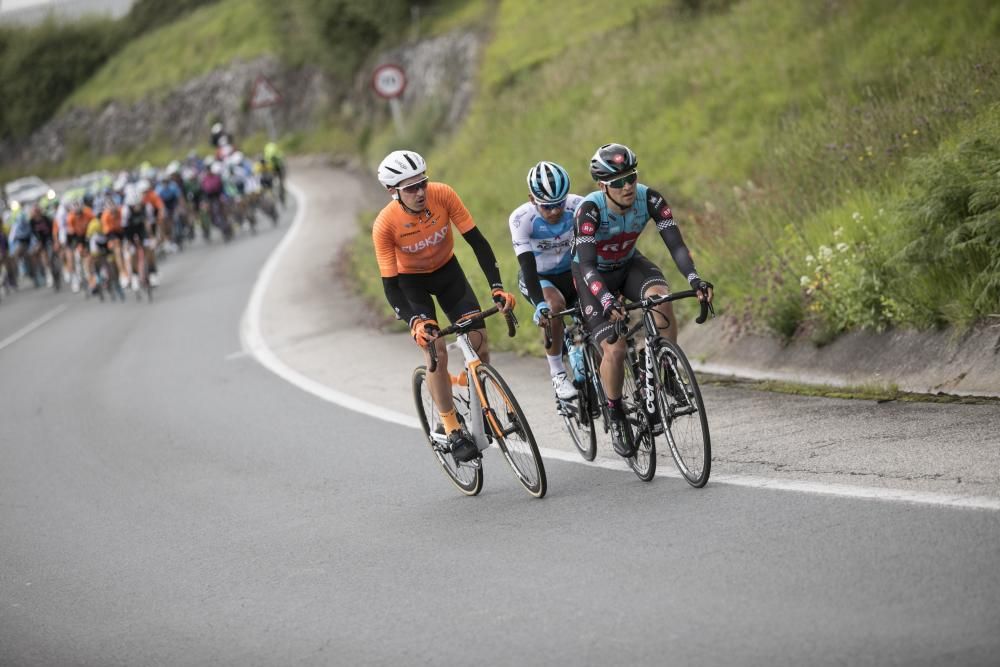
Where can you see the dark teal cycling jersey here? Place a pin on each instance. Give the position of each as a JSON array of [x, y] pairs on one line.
[[605, 241]]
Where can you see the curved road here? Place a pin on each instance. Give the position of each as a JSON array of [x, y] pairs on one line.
[[164, 499]]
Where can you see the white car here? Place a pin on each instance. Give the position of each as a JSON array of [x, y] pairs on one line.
[[27, 190]]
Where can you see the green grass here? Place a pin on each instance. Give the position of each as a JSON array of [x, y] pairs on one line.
[[157, 62], [767, 126]]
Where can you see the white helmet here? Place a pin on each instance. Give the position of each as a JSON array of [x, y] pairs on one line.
[[143, 186], [132, 196], [398, 166], [216, 168]]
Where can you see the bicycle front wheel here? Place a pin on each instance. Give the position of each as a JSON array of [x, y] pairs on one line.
[[680, 404], [508, 426], [467, 477], [643, 463]]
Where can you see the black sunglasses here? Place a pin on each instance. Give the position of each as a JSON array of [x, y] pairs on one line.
[[414, 187], [622, 181]]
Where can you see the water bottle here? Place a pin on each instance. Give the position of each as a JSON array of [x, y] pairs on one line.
[[576, 361]]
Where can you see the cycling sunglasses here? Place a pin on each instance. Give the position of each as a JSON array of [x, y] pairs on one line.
[[622, 181], [553, 206], [413, 187]]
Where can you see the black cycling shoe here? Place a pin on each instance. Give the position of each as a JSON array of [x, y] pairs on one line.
[[621, 435], [463, 449]]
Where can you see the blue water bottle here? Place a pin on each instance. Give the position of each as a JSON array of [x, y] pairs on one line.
[[576, 361]]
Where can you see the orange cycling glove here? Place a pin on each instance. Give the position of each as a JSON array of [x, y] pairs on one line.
[[504, 300], [421, 329]]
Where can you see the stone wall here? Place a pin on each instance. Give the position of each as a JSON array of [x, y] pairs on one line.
[[442, 68]]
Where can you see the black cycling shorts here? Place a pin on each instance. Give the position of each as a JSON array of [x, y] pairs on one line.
[[451, 288], [560, 281], [631, 281], [134, 232], [73, 240]]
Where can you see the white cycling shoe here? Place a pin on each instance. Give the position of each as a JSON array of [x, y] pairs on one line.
[[563, 387]]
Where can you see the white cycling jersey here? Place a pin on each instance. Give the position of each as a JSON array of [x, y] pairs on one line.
[[550, 243]]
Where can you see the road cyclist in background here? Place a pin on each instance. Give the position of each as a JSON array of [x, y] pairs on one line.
[[414, 248], [541, 230], [606, 262]]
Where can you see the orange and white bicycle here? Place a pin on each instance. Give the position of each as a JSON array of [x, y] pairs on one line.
[[489, 412]]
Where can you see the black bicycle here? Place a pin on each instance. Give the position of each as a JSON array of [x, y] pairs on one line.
[[666, 398], [579, 414], [660, 394]]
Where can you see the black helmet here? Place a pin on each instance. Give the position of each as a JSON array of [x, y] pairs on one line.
[[611, 160], [88, 199]]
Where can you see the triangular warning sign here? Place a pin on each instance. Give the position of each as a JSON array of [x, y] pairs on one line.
[[263, 94]]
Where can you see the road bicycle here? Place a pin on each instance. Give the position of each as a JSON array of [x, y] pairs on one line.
[[581, 413], [487, 409], [665, 396], [660, 394]]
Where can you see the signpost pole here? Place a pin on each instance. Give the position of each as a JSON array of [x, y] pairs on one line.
[[389, 82]]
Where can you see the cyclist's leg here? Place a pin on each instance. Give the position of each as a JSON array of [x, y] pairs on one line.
[[458, 301], [612, 355], [644, 279], [415, 288]]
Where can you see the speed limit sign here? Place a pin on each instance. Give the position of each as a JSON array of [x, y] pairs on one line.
[[389, 81]]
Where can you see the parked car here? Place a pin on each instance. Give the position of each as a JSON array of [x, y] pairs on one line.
[[27, 190]]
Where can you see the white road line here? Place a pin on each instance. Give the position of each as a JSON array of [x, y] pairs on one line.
[[254, 344], [14, 337]]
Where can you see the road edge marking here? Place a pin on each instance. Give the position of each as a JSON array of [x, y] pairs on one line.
[[24, 331], [254, 344]]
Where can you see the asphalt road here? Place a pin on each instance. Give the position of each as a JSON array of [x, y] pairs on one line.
[[164, 499]]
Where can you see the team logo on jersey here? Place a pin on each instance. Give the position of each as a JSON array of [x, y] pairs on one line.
[[595, 287], [432, 240], [588, 311], [666, 213], [587, 228]]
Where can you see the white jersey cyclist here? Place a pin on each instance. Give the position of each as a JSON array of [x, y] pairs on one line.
[[542, 231], [551, 244]]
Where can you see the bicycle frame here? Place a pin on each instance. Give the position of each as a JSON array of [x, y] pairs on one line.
[[476, 398]]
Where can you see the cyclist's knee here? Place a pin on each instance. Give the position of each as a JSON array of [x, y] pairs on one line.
[[614, 353]]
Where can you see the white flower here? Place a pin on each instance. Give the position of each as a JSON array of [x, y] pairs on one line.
[[856, 216], [810, 259], [838, 232], [842, 247], [804, 281], [825, 252]]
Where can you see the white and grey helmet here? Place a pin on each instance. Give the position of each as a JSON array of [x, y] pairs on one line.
[[398, 166]]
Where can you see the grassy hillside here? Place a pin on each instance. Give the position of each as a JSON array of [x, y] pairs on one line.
[[208, 37], [785, 134]]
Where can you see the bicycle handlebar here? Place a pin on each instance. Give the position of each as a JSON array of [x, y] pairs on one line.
[[653, 300], [463, 325]]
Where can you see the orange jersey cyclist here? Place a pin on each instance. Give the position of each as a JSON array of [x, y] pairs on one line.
[[414, 247], [606, 263]]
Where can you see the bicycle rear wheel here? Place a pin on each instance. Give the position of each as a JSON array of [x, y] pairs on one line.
[[511, 431], [643, 464], [467, 477], [685, 422]]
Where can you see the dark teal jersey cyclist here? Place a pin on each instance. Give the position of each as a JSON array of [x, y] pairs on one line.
[[606, 263]]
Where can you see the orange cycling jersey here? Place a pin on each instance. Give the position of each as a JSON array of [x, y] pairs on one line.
[[420, 243], [111, 220], [77, 222], [152, 198]]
